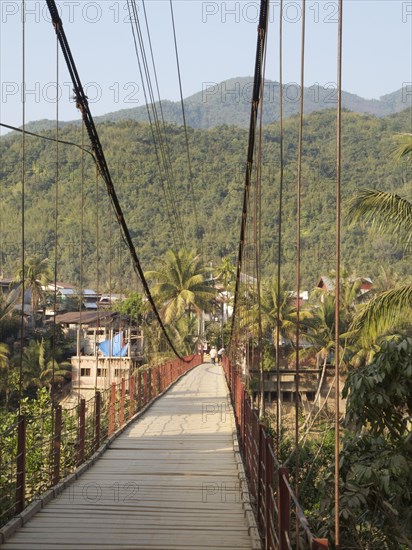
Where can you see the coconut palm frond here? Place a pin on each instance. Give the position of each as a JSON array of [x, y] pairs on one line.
[[386, 311], [404, 146], [384, 211]]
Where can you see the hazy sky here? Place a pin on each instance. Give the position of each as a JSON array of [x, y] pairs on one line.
[[216, 40]]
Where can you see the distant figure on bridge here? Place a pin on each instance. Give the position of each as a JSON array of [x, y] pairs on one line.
[[213, 355]]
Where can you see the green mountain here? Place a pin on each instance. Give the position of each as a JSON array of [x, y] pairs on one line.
[[229, 103], [218, 163]]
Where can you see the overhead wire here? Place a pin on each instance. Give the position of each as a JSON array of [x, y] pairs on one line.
[[27, 133], [82, 104]]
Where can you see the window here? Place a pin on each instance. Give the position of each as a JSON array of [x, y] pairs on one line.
[[102, 372], [85, 371]]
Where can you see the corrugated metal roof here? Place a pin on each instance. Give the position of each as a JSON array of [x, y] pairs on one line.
[[87, 317], [66, 291]]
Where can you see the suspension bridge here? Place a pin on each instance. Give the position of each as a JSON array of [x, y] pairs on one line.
[[176, 456]]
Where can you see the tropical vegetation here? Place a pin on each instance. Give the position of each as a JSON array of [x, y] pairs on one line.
[[374, 327]]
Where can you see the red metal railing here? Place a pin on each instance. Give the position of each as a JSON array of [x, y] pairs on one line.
[[36, 453], [269, 484]]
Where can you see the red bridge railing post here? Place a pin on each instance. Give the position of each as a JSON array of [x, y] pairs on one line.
[[122, 400], [97, 413], [82, 431], [158, 380], [139, 390], [320, 544], [145, 388], [284, 509], [131, 395], [57, 444], [269, 489], [112, 405], [261, 435], [21, 464]]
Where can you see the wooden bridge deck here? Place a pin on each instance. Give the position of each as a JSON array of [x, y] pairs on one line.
[[169, 481]]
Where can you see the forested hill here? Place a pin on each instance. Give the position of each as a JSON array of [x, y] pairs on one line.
[[218, 157], [228, 102]]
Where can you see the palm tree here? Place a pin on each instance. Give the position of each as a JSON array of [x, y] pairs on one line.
[[227, 272], [404, 146], [185, 333], [40, 369], [35, 275], [7, 303], [181, 285], [387, 213], [269, 317], [387, 312], [8, 313]]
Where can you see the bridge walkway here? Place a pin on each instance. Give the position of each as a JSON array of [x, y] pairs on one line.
[[170, 481]]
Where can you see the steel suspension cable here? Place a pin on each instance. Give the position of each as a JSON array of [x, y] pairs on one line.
[[163, 160], [258, 232], [82, 104], [298, 259], [97, 264], [166, 147], [56, 214], [23, 190], [48, 138], [80, 294], [163, 144], [279, 250], [171, 218], [256, 96], [189, 163], [338, 257], [153, 104]]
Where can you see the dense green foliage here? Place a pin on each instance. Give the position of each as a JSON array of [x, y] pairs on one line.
[[376, 477], [131, 306], [218, 157], [39, 416]]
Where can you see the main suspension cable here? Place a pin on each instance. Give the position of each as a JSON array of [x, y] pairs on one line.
[[82, 104], [256, 96]]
